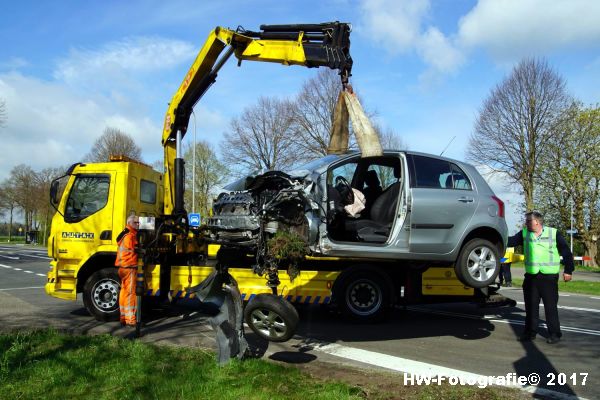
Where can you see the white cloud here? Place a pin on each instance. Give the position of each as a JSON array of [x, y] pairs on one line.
[[511, 29], [120, 61], [397, 22], [55, 122], [401, 25], [48, 125], [14, 63]]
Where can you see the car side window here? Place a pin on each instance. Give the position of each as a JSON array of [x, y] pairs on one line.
[[88, 195], [430, 172], [457, 179]]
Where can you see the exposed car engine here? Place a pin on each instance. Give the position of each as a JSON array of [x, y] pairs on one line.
[[270, 203]]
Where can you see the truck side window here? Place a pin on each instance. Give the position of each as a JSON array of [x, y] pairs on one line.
[[147, 192], [88, 195]]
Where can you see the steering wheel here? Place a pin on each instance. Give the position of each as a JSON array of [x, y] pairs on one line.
[[343, 186]]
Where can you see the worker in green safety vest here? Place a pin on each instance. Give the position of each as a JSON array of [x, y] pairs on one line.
[[543, 246]]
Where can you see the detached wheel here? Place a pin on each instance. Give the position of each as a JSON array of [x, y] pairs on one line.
[[271, 317], [364, 296], [101, 294], [478, 263]]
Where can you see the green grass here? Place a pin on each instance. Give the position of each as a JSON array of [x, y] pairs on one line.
[[578, 267], [49, 365], [14, 239], [582, 287], [45, 364]]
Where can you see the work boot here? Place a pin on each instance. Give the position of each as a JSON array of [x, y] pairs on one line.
[[553, 339], [527, 337], [508, 284]]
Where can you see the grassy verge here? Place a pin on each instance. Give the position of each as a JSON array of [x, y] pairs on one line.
[[581, 287], [49, 365], [14, 239], [578, 267]]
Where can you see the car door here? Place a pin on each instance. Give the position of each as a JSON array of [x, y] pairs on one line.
[[443, 202]]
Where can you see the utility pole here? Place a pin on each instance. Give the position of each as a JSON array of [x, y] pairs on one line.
[[572, 225], [571, 232]]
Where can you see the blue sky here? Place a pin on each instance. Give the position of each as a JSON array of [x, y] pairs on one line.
[[68, 69]]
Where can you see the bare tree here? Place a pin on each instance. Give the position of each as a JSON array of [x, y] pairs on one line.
[[22, 184], [210, 174], [113, 142], [262, 138], [515, 122], [313, 111], [389, 138], [8, 203], [2, 113]]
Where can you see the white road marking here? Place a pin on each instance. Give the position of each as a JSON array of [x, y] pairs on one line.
[[41, 275], [419, 368], [9, 257], [22, 288], [6, 266], [595, 298], [570, 308], [17, 269], [28, 272], [503, 320], [31, 255]]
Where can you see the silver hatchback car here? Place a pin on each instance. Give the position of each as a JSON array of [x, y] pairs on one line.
[[414, 209]]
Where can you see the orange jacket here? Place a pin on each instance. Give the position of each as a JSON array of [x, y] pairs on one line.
[[126, 255]]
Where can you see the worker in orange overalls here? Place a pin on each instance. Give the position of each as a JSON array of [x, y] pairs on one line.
[[127, 262]]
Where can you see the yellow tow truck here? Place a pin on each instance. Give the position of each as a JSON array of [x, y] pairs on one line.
[[178, 261]]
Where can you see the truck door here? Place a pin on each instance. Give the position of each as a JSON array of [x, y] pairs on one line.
[[442, 204], [87, 218]]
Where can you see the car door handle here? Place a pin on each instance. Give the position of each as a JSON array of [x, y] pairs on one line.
[[466, 199]]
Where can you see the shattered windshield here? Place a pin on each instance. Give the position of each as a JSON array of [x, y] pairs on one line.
[[314, 165]]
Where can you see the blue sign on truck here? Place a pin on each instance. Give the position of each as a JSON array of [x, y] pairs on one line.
[[194, 219]]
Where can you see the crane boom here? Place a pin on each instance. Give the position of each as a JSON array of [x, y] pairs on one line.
[[308, 45]]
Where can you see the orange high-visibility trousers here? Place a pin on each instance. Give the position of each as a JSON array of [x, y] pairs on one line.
[[127, 297]]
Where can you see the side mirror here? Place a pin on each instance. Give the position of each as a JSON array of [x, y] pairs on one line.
[[54, 192]]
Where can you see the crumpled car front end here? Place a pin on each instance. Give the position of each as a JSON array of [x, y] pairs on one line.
[[270, 203]]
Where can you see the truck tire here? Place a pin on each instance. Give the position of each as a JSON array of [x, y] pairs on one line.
[[271, 317], [478, 264], [364, 296], [101, 294]]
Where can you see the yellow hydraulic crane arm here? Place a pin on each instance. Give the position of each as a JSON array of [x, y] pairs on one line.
[[309, 45]]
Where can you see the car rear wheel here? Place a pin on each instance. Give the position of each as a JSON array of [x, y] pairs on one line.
[[478, 263], [271, 317], [101, 294]]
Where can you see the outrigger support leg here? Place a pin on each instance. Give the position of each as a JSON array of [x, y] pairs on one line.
[[220, 292]]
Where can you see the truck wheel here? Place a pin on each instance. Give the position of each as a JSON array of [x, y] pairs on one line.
[[101, 294], [365, 296], [478, 264], [271, 317]]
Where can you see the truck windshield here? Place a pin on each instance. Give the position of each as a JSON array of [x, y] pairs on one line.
[[88, 195]]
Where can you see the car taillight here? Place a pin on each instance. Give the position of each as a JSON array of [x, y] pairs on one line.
[[500, 206]]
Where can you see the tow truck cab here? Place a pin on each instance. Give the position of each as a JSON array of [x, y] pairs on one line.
[[90, 214]]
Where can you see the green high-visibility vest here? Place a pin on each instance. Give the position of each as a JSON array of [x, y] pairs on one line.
[[541, 254]]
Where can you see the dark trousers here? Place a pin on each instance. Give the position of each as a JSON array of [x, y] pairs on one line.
[[505, 275], [545, 287]]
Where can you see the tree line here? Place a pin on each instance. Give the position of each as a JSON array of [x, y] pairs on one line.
[[529, 129], [546, 142]]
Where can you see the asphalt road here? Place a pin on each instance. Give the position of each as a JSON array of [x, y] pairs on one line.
[[457, 336]]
